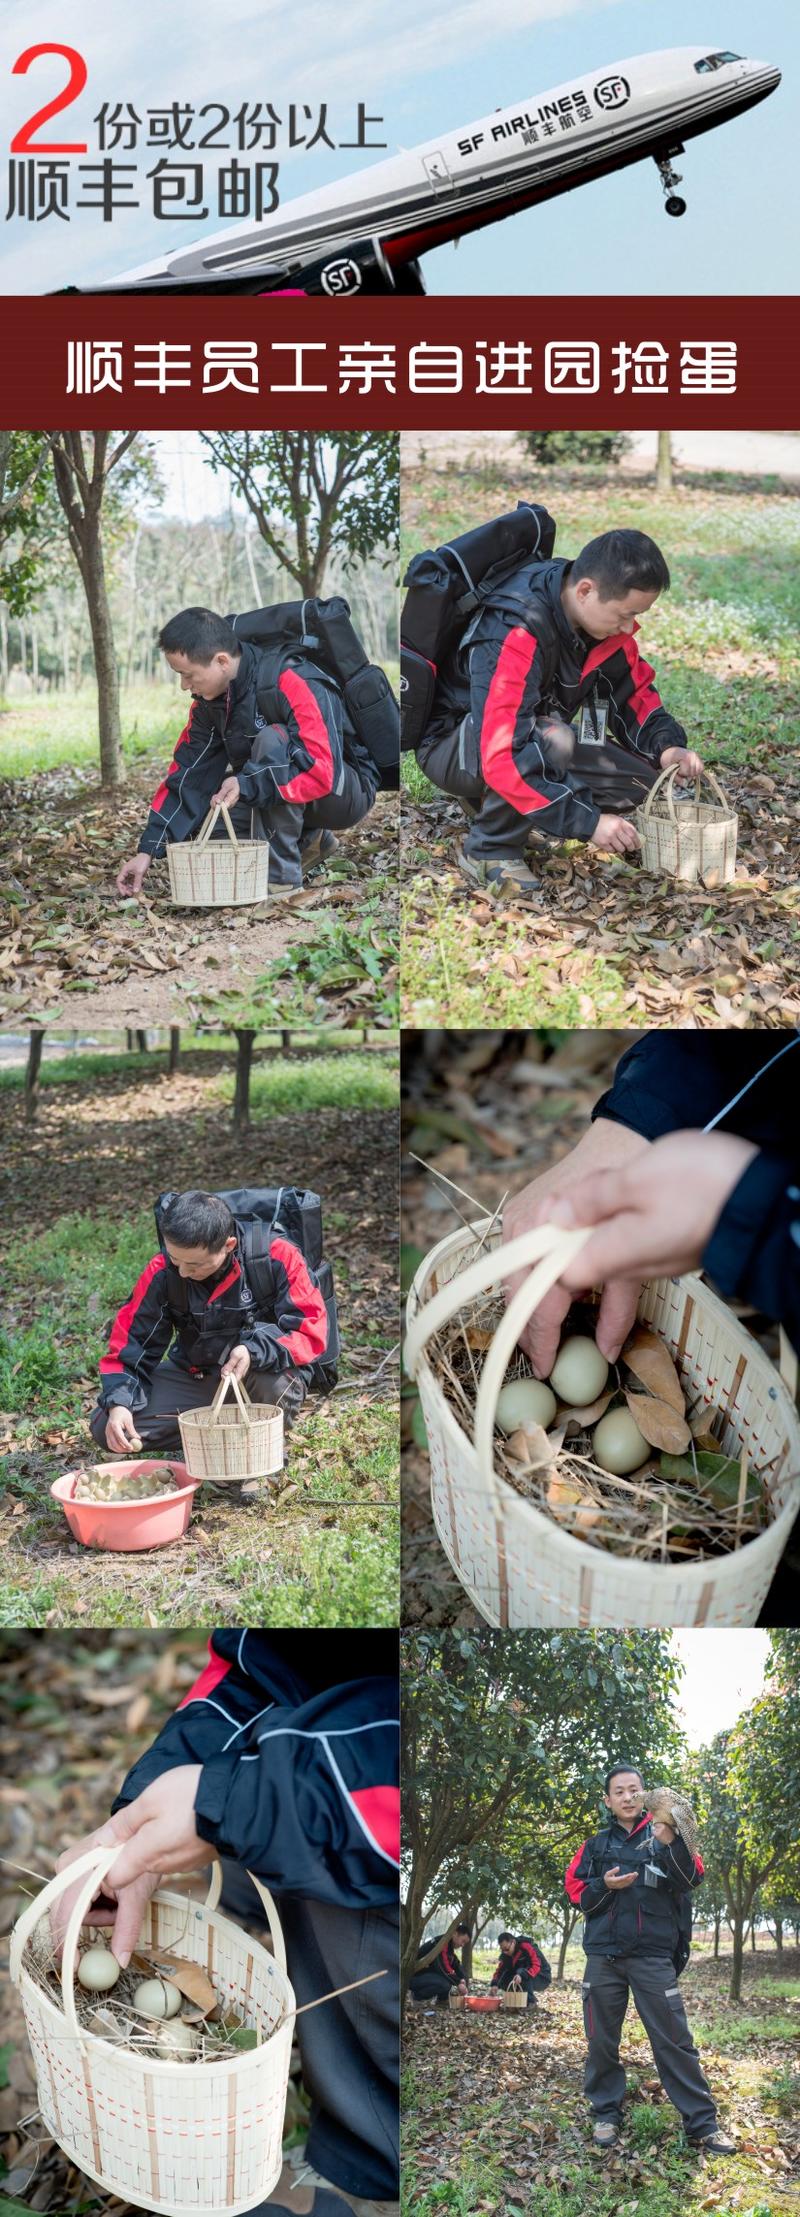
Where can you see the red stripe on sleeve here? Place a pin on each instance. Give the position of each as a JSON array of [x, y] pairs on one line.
[[160, 797], [210, 1677], [503, 702], [380, 1808], [700, 1866], [309, 785], [311, 1337], [123, 1323], [575, 1886]]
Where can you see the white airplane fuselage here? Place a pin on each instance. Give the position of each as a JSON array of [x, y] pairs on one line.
[[604, 120]]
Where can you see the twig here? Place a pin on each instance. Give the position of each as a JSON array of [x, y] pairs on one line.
[[337, 1990]]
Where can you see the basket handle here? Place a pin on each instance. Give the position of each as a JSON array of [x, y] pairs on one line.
[[241, 1396], [206, 828], [269, 1906], [667, 779]]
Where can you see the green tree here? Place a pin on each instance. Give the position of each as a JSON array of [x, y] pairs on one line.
[[82, 463], [24, 459], [579, 449], [498, 1729], [314, 492]]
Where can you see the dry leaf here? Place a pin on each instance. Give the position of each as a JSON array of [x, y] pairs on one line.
[[188, 1977], [533, 1446], [651, 1362], [707, 1443], [578, 1420], [660, 1424]]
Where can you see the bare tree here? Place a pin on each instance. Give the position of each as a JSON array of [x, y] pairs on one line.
[[664, 462], [81, 477], [245, 1042]]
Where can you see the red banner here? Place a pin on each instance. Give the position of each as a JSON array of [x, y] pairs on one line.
[[272, 362]]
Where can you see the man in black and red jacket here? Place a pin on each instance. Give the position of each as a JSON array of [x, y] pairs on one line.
[[521, 1966], [193, 1319], [280, 746], [283, 1760], [445, 1974], [633, 1883], [548, 719]]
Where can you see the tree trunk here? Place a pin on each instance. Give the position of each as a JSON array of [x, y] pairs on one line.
[[174, 1048], [717, 1923], [737, 1964], [141, 1042], [105, 661], [35, 1044], [779, 1939], [245, 1041], [562, 1955], [130, 1040], [753, 1936], [664, 462]]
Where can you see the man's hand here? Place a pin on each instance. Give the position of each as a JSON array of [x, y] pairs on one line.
[[614, 835], [237, 1365], [156, 1834], [228, 794], [664, 1832], [130, 878], [681, 759], [606, 1146], [615, 1880], [121, 1433], [654, 1215], [462, 1986]]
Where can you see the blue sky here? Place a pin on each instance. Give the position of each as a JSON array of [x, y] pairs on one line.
[[428, 69]]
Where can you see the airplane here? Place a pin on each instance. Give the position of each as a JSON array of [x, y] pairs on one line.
[[365, 234]]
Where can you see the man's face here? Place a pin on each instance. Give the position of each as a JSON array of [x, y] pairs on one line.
[[207, 680], [506, 1947], [604, 619], [198, 1262], [625, 1797]]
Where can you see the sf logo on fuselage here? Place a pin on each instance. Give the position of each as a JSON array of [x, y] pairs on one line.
[[612, 92], [341, 277]]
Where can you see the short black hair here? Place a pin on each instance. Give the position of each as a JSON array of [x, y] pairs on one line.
[[463, 1928], [621, 562], [200, 634], [198, 1220], [616, 1770], [505, 1936]]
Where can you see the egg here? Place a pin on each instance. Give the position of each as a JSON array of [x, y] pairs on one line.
[[98, 1970], [524, 1401], [176, 2039], [157, 1997], [579, 1372], [619, 1445]]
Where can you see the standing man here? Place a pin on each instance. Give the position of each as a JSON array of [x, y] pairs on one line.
[[633, 1883]]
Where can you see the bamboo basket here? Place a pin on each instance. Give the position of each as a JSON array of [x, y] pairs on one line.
[[239, 1441], [509, 2000], [204, 873], [518, 1566], [185, 2140], [691, 840]]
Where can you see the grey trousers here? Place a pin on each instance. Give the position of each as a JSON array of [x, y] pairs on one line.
[[618, 782], [350, 2048], [609, 1983], [286, 824], [174, 1388]]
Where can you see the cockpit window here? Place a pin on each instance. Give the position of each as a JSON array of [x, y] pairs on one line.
[[715, 61]]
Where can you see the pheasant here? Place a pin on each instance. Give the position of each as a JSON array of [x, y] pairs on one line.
[[671, 1808]]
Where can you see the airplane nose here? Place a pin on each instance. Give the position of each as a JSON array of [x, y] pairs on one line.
[[766, 73]]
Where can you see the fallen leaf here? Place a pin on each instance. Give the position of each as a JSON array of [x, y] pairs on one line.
[[651, 1362], [659, 1422]]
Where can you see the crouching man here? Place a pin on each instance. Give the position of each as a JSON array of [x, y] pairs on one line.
[[202, 1311], [633, 1883], [522, 1967], [445, 1974]]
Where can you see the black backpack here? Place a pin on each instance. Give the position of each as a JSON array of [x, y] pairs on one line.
[[263, 1213], [321, 632], [447, 588]]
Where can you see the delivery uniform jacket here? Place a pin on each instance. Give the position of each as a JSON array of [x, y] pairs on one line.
[[526, 1964], [648, 1919], [442, 1974], [521, 665], [207, 1318], [304, 740], [682, 1083], [300, 1756]]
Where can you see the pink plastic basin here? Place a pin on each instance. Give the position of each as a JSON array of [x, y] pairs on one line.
[[126, 1526]]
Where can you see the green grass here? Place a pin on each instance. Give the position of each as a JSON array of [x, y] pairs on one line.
[[340, 1080], [50, 730], [435, 978], [734, 2035]]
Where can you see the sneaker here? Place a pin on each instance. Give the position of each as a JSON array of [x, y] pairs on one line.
[[605, 2134], [317, 848], [714, 2143], [505, 877]]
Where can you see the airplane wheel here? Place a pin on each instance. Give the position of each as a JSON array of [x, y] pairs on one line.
[[675, 206]]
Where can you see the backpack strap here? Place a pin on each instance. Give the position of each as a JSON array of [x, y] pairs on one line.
[[257, 1259]]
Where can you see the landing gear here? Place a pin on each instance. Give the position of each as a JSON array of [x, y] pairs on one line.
[[670, 177]]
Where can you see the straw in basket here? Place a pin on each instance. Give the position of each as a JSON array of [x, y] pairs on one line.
[[188, 2140], [692, 840], [205, 873], [520, 1567], [240, 1441]]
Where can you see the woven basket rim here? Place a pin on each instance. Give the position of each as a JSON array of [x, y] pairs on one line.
[[248, 2058], [227, 1418], [724, 1567]]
